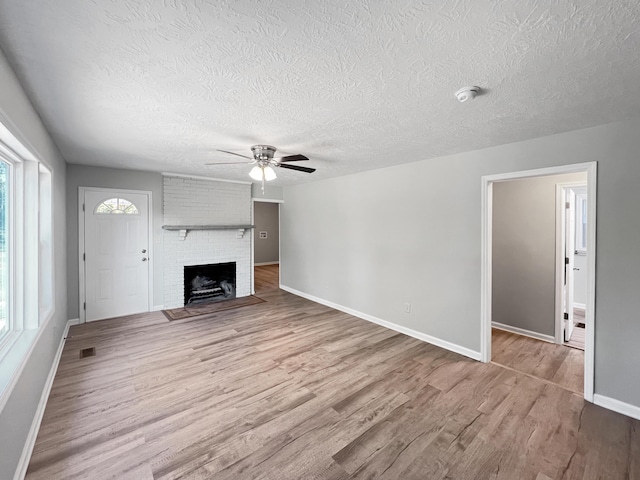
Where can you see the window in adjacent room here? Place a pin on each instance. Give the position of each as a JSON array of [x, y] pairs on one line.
[[581, 223], [5, 253]]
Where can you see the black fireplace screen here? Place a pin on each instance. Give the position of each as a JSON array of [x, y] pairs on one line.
[[209, 283]]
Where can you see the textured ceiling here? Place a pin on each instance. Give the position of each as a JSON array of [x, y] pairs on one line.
[[159, 85]]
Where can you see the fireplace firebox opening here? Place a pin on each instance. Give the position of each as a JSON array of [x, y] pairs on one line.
[[209, 283]]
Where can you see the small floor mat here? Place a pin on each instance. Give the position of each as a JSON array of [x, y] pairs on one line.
[[213, 307]]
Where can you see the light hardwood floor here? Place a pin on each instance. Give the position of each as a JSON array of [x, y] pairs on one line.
[[558, 364], [289, 389]]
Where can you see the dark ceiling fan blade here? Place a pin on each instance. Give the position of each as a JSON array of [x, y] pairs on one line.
[[228, 163], [293, 158], [233, 153], [299, 169]]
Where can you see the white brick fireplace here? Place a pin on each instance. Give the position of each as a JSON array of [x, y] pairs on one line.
[[192, 201]]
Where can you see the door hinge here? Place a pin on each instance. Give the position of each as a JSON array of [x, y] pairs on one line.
[[84, 257], [83, 207], [566, 260], [85, 306], [566, 316], [567, 205]]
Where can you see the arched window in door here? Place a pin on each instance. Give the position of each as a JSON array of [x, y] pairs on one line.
[[117, 206]]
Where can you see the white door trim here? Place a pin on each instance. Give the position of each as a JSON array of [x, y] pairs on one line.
[[253, 246], [81, 264], [266, 200], [560, 227], [279, 245], [487, 182]]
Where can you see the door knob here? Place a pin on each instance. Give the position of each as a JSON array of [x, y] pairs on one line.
[[144, 250], [144, 259]]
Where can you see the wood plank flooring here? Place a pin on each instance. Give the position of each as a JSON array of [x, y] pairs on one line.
[[266, 277], [577, 339], [558, 364], [289, 389]]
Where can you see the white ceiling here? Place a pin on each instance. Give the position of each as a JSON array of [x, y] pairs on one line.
[[354, 85]]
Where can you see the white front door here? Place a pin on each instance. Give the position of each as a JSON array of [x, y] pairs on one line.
[[116, 246]]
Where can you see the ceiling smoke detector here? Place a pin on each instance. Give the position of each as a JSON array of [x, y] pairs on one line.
[[467, 93]]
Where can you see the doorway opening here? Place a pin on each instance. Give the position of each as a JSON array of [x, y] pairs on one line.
[[571, 270], [266, 239], [511, 266]]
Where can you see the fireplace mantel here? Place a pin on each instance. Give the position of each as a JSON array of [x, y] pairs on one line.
[[183, 229], [207, 227]]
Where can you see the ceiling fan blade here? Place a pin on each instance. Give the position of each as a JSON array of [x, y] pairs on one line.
[[233, 153], [293, 158], [229, 163], [299, 169]]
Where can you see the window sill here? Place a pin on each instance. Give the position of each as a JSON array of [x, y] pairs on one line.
[[15, 354]]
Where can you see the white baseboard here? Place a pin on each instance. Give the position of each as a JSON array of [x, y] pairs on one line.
[[262, 264], [157, 308], [23, 464], [392, 326], [522, 331], [617, 406], [579, 306]]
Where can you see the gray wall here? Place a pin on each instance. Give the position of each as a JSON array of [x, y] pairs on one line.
[[524, 252], [17, 114], [266, 219], [411, 233], [85, 176], [270, 191]]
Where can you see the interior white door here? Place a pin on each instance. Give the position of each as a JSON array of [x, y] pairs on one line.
[[570, 248], [116, 245]]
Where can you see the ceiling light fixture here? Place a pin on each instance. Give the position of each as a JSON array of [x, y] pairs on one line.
[[269, 173], [256, 173], [263, 162], [467, 93], [263, 173]]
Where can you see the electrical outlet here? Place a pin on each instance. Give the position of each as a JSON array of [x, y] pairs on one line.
[[407, 308]]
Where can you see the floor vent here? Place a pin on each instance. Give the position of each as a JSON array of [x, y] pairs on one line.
[[88, 352]]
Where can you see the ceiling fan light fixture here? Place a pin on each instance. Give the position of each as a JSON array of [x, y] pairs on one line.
[[269, 173], [263, 162], [260, 173], [256, 173]]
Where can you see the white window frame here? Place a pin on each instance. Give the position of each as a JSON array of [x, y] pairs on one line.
[[31, 281], [45, 243], [7, 337], [14, 245]]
